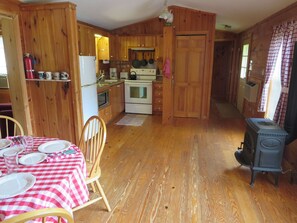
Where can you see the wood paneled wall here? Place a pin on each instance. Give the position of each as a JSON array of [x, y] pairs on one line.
[[221, 35], [149, 27], [96, 29], [168, 53], [4, 96], [260, 37], [185, 19], [49, 33], [9, 7], [186, 22]]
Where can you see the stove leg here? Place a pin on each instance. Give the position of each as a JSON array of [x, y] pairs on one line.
[[276, 179], [253, 177]]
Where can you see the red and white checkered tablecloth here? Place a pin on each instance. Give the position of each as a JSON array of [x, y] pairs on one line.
[[59, 183]]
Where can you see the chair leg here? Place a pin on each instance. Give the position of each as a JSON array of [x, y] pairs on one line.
[[93, 187], [103, 195]]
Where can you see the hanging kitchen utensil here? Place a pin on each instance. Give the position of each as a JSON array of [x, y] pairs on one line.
[[151, 60], [144, 61], [136, 63]]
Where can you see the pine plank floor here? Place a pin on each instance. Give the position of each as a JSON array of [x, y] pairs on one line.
[[185, 172]]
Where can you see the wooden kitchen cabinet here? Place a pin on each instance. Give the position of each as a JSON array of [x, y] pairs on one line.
[[157, 97], [102, 48], [141, 41], [123, 48], [86, 40], [116, 96], [147, 41], [113, 47], [105, 114]]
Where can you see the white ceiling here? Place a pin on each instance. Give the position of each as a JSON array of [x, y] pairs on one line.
[[111, 14]]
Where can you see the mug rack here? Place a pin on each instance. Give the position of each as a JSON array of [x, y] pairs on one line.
[[65, 86]]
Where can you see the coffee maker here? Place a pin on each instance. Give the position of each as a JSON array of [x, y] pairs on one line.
[[113, 73]]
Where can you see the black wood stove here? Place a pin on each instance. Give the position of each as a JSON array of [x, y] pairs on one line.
[[262, 148]]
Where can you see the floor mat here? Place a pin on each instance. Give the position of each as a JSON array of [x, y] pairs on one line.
[[227, 110], [132, 120]]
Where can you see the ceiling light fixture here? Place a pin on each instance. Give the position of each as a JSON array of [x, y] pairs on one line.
[[97, 35], [166, 14], [227, 26]]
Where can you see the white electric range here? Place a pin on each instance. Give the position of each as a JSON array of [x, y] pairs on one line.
[[138, 92]]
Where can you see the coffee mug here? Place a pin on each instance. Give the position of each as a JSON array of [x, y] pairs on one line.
[[41, 74], [56, 75], [48, 75], [64, 75]]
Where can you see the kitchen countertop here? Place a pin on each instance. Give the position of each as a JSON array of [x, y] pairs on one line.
[[105, 85]]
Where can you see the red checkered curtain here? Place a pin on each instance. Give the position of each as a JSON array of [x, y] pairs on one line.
[[289, 39], [275, 45]]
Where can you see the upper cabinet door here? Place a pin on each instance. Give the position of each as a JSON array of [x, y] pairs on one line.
[[86, 40], [113, 46], [123, 48], [102, 48]]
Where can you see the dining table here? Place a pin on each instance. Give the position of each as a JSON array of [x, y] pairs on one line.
[[59, 180]]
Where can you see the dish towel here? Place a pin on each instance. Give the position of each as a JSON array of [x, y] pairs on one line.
[[166, 68]]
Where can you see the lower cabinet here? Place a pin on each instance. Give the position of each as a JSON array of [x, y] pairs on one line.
[[117, 103], [157, 97], [105, 114], [117, 100]]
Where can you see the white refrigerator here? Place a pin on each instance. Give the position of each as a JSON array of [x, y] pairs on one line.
[[88, 86]]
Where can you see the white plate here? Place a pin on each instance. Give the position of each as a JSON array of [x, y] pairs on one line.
[[5, 143], [15, 184], [54, 146], [32, 159], [18, 149]]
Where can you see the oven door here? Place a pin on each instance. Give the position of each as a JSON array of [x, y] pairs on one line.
[[138, 92]]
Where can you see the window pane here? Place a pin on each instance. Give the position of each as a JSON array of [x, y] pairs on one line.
[[243, 72], [274, 88], [3, 69], [245, 51], [244, 62]]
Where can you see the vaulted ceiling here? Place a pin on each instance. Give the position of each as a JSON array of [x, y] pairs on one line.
[[237, 15]]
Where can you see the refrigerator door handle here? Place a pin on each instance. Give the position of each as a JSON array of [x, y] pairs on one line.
[[87, 85]]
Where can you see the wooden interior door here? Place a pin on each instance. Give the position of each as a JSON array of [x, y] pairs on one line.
[[189, 73]]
